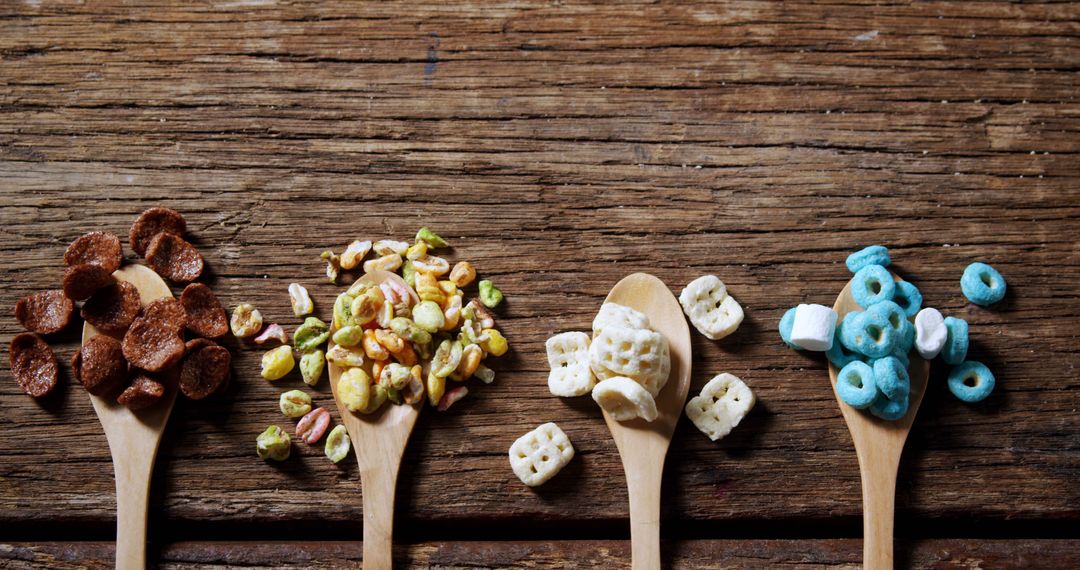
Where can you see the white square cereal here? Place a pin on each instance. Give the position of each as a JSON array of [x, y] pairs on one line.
[[568, 357], [621, 316], [538, 455], [639, 354], [624, 399], [710, 309], [723, 403]]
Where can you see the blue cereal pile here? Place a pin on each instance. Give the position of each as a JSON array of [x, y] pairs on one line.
[[872, 348]]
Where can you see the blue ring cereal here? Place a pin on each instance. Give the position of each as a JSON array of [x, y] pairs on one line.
[[891, 312], [840, 355], [786, 323], [889, 410], [908, 297], [871, 255], [906, 341], [873, 335], [956, 343], [892, 378], [871, 285], [971, 381], [855, 384], [982, 284]]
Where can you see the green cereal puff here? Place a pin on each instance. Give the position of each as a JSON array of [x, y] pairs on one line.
[[956, 343], [871, 285], [892, 378], [971, 381], [856, 385], [871, 255], [908, 297], [982, 284]]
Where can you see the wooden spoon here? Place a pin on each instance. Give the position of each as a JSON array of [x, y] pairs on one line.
[[878, 444], [643, 445], [379, 441], [134, 436]]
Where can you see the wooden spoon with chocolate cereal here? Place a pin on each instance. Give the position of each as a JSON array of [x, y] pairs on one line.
[[134, 435]]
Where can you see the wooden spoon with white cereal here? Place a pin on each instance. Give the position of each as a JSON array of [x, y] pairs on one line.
[[643, 445], [134, 435], [379, 440], [878, 445]]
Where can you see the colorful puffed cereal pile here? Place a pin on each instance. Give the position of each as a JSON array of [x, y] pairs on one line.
[[397, 341], [138, 343], [872, 347]]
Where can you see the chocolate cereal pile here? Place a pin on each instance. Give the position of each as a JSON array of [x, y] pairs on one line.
[[138, 342]]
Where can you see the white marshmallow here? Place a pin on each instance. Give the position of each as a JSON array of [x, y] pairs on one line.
[[930, 332], [814, 327]]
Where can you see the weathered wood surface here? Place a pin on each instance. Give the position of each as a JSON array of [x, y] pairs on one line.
[[836, 554], [562, 147]]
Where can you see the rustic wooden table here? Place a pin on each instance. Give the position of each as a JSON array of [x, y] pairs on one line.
[[562, 146]]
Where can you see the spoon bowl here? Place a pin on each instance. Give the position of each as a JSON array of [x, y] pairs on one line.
[[134, 436], [878, 445], [379, 441], [643, 445]]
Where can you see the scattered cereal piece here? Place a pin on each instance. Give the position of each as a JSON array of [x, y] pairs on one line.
[[871, 255], [814, 327], [484, 374], [277, 363], [205, 369], [337, 444], [143, 392], [710, 309], [312, 426], [971, 381], [956, 342], [889, 410], [432, 264], [389, 246], [300, 300], [81, 281], [112, 308], [274, 443], [100, 365], [385, 263], [930, 333], [310, 335], [273, 331], [490, 295], [723, 403], [908, 297], [348, 336], [431, 238], [856, 386], [568, 357], [97, 248], [294, 404], [333, 265], [428, 316], [246, 321], [205, 315], [345, 356], [44, 312], [311, 366], [982, 284], [174, 258], [33, 364], [538, 455], [624, 399], [462, 274], [352, 256], [451, 397], [152, 222]]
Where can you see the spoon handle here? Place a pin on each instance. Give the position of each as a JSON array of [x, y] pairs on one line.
[[643, 484], [132, 497], [378, 489], [879, 498]]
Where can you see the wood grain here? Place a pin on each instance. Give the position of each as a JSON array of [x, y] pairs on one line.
[[562, 146], [691, 554]]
